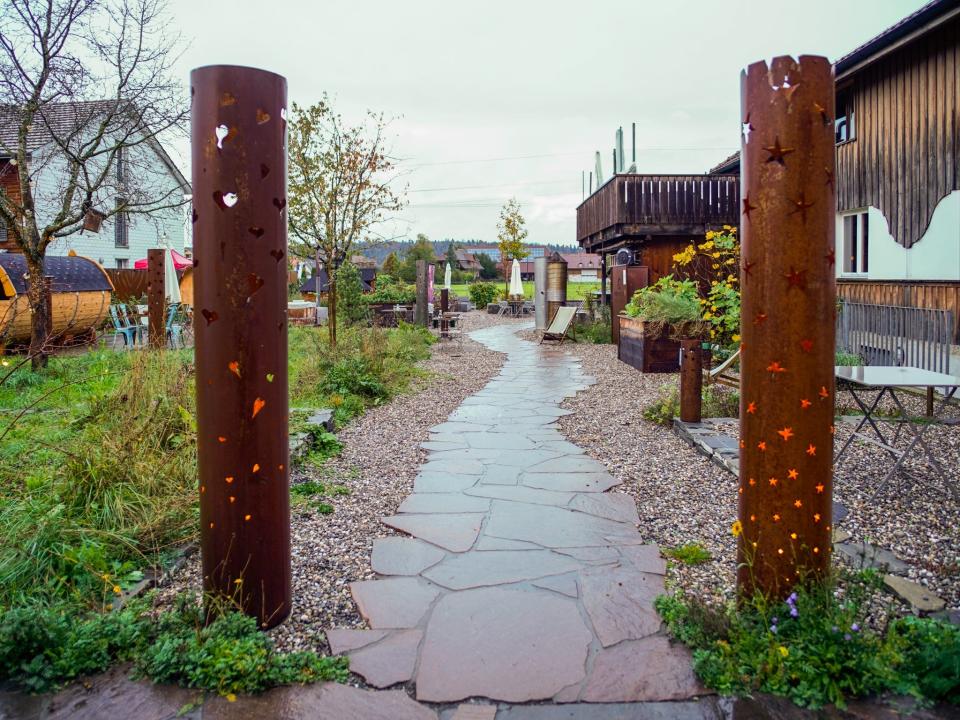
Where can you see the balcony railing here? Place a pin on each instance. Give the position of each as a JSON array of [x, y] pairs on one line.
[[652, 204]]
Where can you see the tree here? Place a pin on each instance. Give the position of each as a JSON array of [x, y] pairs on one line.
[[350, 293], [86, 89], [340, 187], [452, 255], [391, 265], [422, 249], [488, 270], [510, 236]]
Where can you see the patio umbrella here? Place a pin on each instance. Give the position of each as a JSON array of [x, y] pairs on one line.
[[447, 277], [516, 287], [171, 285]]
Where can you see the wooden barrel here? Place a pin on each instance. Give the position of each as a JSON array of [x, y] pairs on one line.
[[80, 300]]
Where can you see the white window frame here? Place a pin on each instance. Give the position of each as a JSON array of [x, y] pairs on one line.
[[855, 252]]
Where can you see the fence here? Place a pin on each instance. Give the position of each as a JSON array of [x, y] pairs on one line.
[[894, 335]]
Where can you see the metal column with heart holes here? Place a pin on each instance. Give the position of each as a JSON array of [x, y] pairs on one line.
[[240, 243], [788, 323]]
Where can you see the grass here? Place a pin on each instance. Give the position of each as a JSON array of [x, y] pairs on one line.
[[690, 554], [575, 291]]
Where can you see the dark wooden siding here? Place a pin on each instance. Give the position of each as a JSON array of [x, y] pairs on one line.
[[10, 184], [905, 154], [905, 293]]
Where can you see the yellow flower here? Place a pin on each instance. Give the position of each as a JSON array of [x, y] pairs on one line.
[[714, 308], [716, 254], [231, 697], [117, 590], [735, 338], [783, 651], [711, 234], [727, 227], [707, 315], [736, 528]]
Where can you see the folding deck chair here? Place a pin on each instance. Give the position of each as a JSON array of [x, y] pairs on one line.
[[722, 374], [559, 325]]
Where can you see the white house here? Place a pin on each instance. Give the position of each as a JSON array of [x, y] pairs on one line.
[[142, 174]]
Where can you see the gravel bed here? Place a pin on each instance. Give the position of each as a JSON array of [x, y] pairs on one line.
[[682, 497], [379, 461]]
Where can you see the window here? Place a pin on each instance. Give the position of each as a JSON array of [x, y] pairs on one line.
[[122, 263], [843, 126], [856, 243], [121, 165], [121, 232]]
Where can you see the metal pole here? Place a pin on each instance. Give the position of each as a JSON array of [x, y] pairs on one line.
[[444, 309], [156, 299], [420, 312], [787, 277], [691, 380], [634, 134], [240, 196]]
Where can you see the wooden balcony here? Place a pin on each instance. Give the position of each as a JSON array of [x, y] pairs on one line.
[[634, 206]]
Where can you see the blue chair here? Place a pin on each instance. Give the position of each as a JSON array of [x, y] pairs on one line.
[[132, 319], [122, 327], [174, 326]]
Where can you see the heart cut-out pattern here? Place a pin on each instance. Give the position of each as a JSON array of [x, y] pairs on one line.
[[257, 232], [210, 316], [280, 203], [225, 200], [194, 216], [264, 171], [277, 255], [262, 117], [254, 282], [221, 131], [227, 99]]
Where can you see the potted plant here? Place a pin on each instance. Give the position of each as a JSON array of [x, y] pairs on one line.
[[654, 322]]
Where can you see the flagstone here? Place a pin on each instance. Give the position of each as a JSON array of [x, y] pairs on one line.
[[498, 567], [667, 673], [344, 640], [566, 465], [594, 482], [492, 543], [403, 556], [442, 482], [613, 506], [520, 493], [564, 584], [454, 502], [389, 661], [463, 466], [554, 527], [452, 531], [455, 428], [619, 601], [399, 602], [499, 475], [499, 441], [645, 558], [503, 644]]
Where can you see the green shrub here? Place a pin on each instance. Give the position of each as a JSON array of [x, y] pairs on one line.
[[847, 359], [483, 293], [814, 648], [388, 289], [42, 647], [351, 305], [666, 302]]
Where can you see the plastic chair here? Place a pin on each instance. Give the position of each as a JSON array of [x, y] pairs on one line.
[[122, 327]]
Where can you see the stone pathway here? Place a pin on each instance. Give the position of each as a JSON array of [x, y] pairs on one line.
[[523, 579]]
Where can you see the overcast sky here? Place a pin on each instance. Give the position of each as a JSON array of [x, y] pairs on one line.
[[511, 98]]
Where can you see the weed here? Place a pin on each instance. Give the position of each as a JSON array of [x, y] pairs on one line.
[[690, 554]]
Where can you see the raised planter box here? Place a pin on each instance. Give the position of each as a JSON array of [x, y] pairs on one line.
[[647, 354]]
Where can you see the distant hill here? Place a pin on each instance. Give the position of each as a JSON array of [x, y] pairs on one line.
[[379, 251]]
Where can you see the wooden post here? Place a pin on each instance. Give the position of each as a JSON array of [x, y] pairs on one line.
[[787, 277], [156, 299], [240, 223], [691, 380], [420, 313], [603, 278], [444, 309]]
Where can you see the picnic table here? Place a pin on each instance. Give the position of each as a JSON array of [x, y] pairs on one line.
[[889, 380]]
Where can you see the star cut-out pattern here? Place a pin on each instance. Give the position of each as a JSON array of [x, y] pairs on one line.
[[778, 153]]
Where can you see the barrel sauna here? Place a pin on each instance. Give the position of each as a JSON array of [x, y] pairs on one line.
[[81, 292], [186, 287], [556, 285]]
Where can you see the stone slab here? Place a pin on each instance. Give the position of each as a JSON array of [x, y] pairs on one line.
[[645, 558], [323, 701], [613, 506], [919, 597], [452, 531], [389, 661], [344, 640], [619, 602], [700, 710], [582, 482], [491, 543], [555, 527], [465, 466], [502, 644], [521, 493], [442, 482], [403, 556], [473, 711], [393, 602], [568, 464], [443, 503], [563, 584], [498, 567], [865, 555], [668, 673]]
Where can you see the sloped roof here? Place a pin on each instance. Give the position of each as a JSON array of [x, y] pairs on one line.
[[66, 119], [70, 273]]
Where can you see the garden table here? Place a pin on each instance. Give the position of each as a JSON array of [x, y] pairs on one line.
[[888, 379]]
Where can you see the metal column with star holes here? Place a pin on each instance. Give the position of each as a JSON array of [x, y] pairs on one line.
[[788, 314], [240, 301]]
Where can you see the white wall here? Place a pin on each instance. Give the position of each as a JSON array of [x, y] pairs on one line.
[[935, 257], [144, 231]]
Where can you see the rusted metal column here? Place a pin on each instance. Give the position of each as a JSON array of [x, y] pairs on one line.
[[240, 225], [444, 309], [156, 299], [691, 380], [787, 355], [420, 311]]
